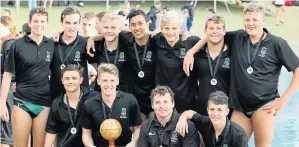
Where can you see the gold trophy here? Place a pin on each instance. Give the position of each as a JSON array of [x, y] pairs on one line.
[[110, 129]]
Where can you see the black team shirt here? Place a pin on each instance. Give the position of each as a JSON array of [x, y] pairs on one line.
[[140, 87], [124, 109], [72, 53], [31, 64], [59, 121], [117, 57], [232, 135], [249, 92], [154, 134], [169, 70], [202, 71]]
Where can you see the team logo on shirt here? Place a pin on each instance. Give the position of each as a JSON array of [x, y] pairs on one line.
[[123, 113], [225, 145], [48, 56], [226, 63], [77, 56], [183, 53], [263, 52], [148, 56], [121, 57], [174, 137]]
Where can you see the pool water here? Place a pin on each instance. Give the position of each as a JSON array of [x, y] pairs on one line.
[[287, 122]]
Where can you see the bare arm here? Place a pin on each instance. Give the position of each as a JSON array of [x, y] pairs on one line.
[[86, 138], [7, 76], [189, 59], [90, 43], [182, 125], [280, 102], [49, 140]]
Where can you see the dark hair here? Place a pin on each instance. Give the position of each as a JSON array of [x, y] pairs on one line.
[[134, 13], [218, 98], [73, 67], [162, 90], [68, 11], [101, 14], [38, 10], [26, 29]]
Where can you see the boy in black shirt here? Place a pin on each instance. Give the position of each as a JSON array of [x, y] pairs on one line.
[[216, 129], [29, 58], [70, 49], [64, 117], [111, 104], [256, 60]]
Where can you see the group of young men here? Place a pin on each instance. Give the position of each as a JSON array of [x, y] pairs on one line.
[[234, 73]]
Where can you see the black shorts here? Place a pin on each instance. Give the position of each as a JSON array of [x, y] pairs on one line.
[[6, 128]]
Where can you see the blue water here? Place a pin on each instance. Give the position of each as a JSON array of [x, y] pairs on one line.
[[287, 122]]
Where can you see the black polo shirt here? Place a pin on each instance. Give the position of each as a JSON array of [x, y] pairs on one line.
[[120, 63], [125, 109], [169, 70], [153, 134], [140, 87], [59, 121], [249, 92], [232, 135], [31, 64], [77, 55], [202, 71]]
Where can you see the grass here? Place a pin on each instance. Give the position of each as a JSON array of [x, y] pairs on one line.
[[288, 30]]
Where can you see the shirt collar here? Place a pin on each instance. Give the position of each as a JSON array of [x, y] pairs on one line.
[[171, 124], [72, 43], [28, 39]]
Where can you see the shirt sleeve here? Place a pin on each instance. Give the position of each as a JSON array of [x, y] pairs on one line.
[[286, 55], [85, 117], [143, 137], [230, 37], [135, 116], [241, 141], [200, 121], [192, 138], [51, 122], [10, 59]]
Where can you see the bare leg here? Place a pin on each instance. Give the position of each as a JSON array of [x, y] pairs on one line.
[[39, 127], [21, 124], [240, 119], [263, 126], [283, 13], [278, 14]]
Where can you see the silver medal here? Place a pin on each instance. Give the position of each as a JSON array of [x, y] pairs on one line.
[[140, 74], [250, 70], [213, 81], [73, 130], [62, 66]]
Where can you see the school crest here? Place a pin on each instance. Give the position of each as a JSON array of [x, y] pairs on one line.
[[48, 57], [183, 53], [123, 113], [148, 56], [77, 56], [226, 62], [121, 57], [174, 137], [263, 52]]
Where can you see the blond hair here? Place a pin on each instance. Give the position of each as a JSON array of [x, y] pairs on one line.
[[110, 16], [217, 19], [108, 68], [254, 7], [171, 16]]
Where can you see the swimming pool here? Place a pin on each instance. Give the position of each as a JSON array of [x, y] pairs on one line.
[[287, 122]]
